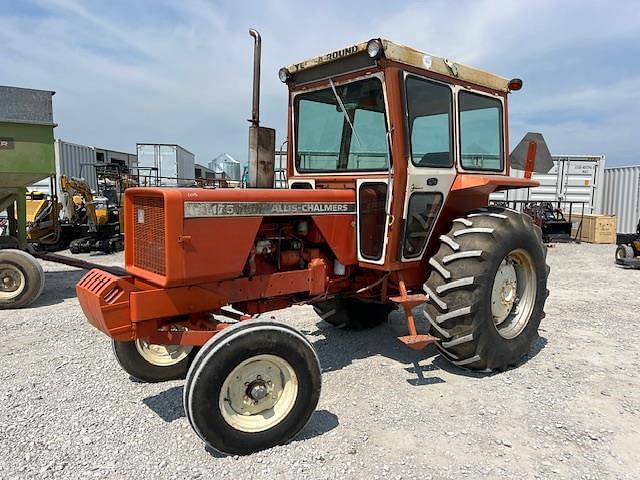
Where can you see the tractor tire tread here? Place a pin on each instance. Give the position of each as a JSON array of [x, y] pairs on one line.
[[458, 309]]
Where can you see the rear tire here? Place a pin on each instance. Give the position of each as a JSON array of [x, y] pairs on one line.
[[21, 279], [487, 289], [252, 386], [153, 363], [353, 313]]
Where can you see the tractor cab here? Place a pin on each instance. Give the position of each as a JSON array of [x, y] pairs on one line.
[[409, 132]]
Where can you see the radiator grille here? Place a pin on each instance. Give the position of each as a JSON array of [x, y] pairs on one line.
[[148, 234]]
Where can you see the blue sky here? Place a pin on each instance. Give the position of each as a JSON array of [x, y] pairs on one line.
[[180, 72]]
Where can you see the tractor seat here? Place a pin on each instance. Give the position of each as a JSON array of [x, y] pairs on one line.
[[435, 159]]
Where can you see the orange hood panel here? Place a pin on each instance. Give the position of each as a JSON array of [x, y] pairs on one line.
[[187, 236]]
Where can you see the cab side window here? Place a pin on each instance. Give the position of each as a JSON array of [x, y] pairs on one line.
[[429, 107], [481, 137]]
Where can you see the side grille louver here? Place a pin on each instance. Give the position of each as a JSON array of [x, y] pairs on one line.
[[148, 232]]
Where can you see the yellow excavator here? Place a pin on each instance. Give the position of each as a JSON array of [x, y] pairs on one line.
[[81, 221], [45, 230], [99, 222]]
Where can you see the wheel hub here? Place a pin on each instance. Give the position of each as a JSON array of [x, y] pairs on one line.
[[258, 393], [258, 390], [513, 294], [504, 294], [10, 280]]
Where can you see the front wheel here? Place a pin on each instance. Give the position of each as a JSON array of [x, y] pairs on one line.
[[252, 386], [153, 363], [487, 289]]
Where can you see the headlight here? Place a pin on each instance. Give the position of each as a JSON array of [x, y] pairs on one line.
[[374, 48], [284, 75]]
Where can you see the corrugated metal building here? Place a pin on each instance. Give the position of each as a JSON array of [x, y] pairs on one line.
[[622, 196], [74, 160], [125, 160], [573, 178]]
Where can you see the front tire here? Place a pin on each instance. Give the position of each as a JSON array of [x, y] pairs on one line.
[[153, 363], [252, 386], [487, 289]]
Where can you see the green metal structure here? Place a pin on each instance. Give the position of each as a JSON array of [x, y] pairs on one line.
[[26, 153]]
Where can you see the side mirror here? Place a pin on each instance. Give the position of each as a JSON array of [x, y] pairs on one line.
[[531, 155]]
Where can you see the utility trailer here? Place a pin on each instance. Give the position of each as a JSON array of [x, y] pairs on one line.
[[391, 156]]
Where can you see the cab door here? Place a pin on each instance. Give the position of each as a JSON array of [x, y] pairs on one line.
[[431, 168], [373, 204]]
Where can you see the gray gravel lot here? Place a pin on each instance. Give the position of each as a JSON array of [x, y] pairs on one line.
[[571, 410]]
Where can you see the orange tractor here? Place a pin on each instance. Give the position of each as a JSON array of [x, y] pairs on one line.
[[392, 155]]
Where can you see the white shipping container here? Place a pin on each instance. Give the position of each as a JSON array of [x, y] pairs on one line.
[[622, 196], [573, 178], [165, 165]]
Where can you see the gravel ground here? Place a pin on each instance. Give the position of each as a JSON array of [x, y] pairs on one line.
[[571, 410]]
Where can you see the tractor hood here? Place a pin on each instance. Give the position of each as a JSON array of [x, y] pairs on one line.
[[186, 236]]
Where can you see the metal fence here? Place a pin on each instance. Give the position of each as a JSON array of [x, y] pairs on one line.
[[573, 211]]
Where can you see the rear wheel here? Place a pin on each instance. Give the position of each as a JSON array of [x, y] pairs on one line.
[[153, 363], [252, 386], [487, 289], [21, 279], [353, 313]]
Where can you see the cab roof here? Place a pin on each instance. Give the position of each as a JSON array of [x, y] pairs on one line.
[[412, 57]]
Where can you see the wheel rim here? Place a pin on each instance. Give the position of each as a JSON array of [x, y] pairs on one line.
[[621, 253], [513, 294], [12, 282], [162, 355], [259, 393]]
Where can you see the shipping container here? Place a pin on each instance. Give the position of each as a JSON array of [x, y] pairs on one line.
[[622, 196], [165, 164], [573, 178]]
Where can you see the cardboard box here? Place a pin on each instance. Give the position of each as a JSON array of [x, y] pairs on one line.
[[595, 228]]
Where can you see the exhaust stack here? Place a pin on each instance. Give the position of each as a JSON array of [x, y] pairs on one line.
[[262, 140], [257, 54]]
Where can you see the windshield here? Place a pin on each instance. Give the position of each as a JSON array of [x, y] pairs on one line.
[[342, 129]]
